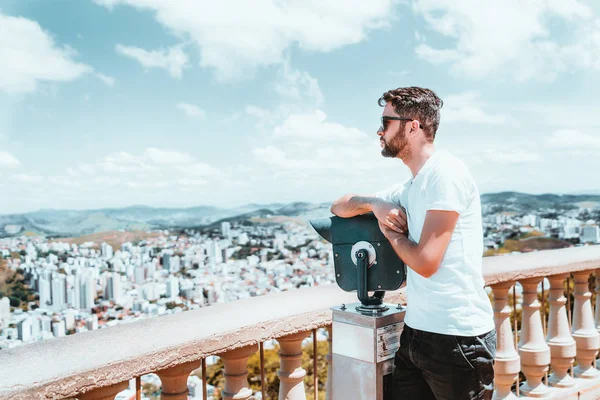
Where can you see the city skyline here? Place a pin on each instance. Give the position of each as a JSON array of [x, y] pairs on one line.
[[111, 103]]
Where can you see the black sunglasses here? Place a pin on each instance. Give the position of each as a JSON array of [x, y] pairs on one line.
[[384, 119]]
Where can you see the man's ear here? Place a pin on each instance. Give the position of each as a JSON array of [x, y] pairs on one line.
[[415, 125]]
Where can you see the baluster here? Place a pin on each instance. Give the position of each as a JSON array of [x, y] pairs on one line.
[[561, 343], [104, 393], [585, 333], [507, 365], [534, 352], [174, 380], [236, 373], [291, 374], [329, 359]]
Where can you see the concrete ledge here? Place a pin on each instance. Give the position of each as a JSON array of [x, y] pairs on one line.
[[514, 267], [76, 364]]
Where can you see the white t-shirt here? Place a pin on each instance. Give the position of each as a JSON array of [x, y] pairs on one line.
[[453, 300]]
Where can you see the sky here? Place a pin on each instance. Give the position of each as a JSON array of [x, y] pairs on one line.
[[111, 103]]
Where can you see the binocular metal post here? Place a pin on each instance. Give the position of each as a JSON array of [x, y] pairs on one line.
[[366, 335], [363, 349]]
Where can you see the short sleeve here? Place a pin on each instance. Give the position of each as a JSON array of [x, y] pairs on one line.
[[392, 194], [448, 190]]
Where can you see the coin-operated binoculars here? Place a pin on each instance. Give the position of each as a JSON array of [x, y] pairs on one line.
[[366, 335]]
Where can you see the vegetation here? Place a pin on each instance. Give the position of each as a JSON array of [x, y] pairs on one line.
[[12, 285], [527, 245], [532, 234], [271, 365]]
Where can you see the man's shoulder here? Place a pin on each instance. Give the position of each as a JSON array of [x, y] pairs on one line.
[[447, 164]]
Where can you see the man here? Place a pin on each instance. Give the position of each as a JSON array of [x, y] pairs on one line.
[[433, 222]]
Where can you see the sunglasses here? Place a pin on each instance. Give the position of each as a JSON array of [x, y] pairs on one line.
[[385, 119]]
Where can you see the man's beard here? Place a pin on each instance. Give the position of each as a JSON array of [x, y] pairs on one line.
[[397, 146]]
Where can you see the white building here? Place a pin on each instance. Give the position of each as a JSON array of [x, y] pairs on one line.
[[4, 309], [113, 287], [59, 297], [570, 232], [92, 322], [88, 292], [58, 328], [531, 220], [151, 292], [46, 323], [44, 291], [590, 234], [107, 251], [74, 291], [140, 275], [214, 253], [172, 287], [243, 239], [24, 329], [175, 264], [225, 229]]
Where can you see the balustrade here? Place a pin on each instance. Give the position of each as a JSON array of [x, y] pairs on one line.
[[561, 343], [507, 364], [584, 332], [89, 372], [534, 352]]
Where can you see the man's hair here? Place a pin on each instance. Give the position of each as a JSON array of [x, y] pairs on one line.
[[418, 103]]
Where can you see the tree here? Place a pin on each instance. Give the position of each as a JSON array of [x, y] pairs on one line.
[[14, 301]]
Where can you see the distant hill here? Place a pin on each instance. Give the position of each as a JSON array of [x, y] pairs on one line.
[[71, 223], [66, 223], [523, 202]]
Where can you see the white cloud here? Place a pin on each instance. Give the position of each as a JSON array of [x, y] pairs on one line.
[[513, 37], [466, 107], [270, 154], [436, 56], [192, 182], [200, 169], [152, 164], [29, 55], [167, 157], [517, 156], [8, 160], [123, 178], [308, 148], [298, 86], [573, 139], [27, 178], [108, 80], [123, 162], [192, 110], [313, 127], [173, 59], [236, 36]]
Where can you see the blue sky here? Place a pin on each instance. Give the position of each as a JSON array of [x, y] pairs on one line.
[[109, 103]]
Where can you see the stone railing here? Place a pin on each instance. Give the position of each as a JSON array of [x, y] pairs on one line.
[[555, 350], [99, 364]]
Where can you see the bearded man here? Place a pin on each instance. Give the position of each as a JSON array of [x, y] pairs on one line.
[[433, 221]]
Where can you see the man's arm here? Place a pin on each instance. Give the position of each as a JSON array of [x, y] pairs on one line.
[[425, 257], [351, 205], [386, 212]]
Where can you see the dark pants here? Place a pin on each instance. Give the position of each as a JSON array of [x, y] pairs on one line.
[[439, 367]]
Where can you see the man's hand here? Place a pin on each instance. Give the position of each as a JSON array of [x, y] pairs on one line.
[[390, 217]]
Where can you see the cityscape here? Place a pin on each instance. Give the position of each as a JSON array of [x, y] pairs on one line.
[[57, 287]]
